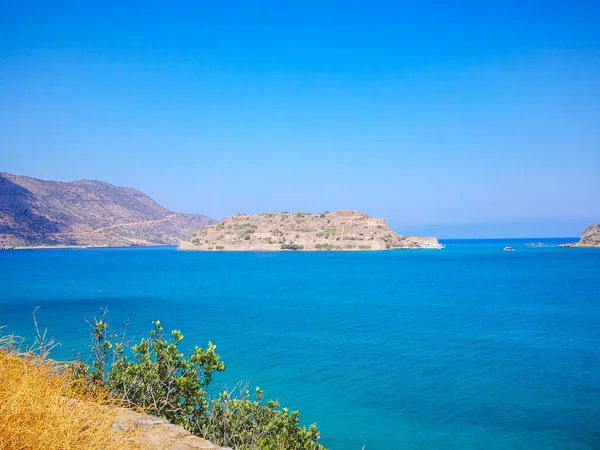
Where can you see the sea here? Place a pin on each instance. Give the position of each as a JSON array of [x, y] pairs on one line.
[[469, 347]]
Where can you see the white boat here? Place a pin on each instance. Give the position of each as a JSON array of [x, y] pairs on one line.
[[509, 249], [428, 245]]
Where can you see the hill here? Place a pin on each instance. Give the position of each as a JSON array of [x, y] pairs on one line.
[[341, 230], [89, 213], [589, 238]]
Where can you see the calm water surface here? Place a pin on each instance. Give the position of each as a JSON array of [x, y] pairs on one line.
[[470, 347]]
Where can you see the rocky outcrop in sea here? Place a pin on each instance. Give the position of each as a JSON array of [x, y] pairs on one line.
[[340, 230]]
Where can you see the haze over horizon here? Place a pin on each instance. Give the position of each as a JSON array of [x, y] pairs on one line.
[[470, 121]]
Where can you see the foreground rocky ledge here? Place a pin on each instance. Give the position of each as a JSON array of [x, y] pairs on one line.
[[589, 239], [341, 230], [152, 433]]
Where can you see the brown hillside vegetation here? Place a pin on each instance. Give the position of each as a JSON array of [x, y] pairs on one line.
[[41, 409]]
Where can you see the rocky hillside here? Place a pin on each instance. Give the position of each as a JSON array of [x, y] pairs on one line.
[[589, 238], [90, 213], [341, 230], [152, 433]]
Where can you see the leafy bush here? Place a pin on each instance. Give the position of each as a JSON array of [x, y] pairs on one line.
[[292, 247], [242, 422], [156, 376], [245, 233], [324, 247], [160, 380]]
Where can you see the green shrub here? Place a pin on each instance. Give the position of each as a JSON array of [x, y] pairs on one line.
[[243, 422], [156, 376], [324, 247], [292, 247]]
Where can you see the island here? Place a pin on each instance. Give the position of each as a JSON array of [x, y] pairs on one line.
[[340, 230], [589, 239]]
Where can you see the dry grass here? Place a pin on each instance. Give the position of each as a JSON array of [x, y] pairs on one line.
[[41, 408]]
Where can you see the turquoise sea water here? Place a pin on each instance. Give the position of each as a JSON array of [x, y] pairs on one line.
[[468, 347]]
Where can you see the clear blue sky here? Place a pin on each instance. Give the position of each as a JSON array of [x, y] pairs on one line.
[[460, 119]]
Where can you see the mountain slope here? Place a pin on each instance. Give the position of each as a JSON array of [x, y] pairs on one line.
[[92, 213], [341, 230]]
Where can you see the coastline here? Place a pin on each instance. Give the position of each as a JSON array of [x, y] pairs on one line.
[[189, 247], [577, 245], [81, 247]]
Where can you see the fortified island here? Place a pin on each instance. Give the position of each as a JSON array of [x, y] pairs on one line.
[[340, 230], [589, 238]]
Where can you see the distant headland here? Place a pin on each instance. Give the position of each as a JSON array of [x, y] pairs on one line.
[[589, 238], [39, 213], [340, 230]]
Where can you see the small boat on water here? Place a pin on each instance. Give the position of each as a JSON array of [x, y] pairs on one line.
[[428, 245], [509, 249]]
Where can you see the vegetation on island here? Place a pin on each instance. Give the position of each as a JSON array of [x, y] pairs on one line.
[[156, 377], [292, 247], [338, 231]]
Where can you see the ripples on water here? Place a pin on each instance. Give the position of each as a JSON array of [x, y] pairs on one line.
[[468, 347]]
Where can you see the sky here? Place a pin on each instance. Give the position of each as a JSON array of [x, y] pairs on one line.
[[457, 119]]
